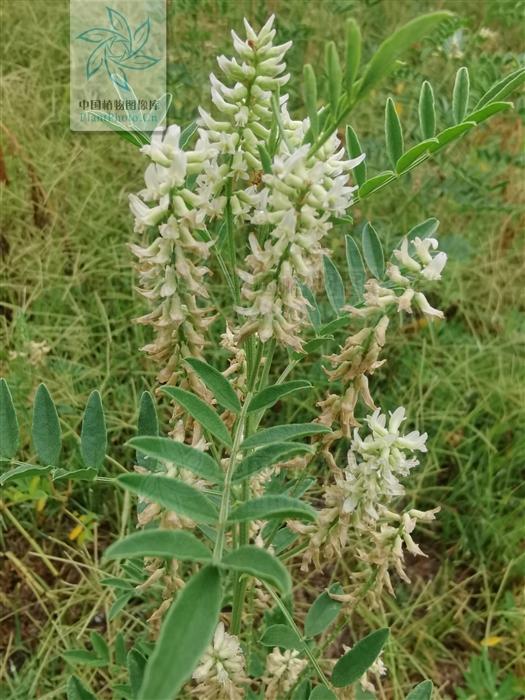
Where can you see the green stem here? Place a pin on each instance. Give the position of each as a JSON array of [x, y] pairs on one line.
[[289, 619], [226, 494]]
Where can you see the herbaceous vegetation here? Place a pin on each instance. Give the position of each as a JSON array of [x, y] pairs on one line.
[[234, 506]]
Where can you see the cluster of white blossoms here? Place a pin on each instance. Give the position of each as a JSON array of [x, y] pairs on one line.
[[376, 463], [285, 211], [414, 267], [220, 673], [283, 669], [296, 203]]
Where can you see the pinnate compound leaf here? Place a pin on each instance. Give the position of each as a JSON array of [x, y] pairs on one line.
[[216, 383], [168, 450], [358, 660], [266, 457], [9, 433], [283, 433], [422, 691], [185, 633], [258, 562], [373, 251], [335, 290], [271, 394], [46, 428], [169, 544], [322, 612], [281, 636], [171, 493], [93, 437], [384, 59], [202, 413], [269, 507]]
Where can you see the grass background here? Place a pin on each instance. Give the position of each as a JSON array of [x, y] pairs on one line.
[[67, 282]]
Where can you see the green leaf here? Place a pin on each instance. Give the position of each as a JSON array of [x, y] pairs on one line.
[[182, 455], [503, 87], [313, 310], [448, 135], [120, 649], [356, 267], [333, 284], [266, 457], [218, 385], [335, 76], [202, 413], [99, 646], [425, 229], [393, 132], [310, 98], [422, 691], [46, 428], [93, 437], [24, 470], [322, 612], [168, 544], [269, 507], [321, 692], [171, 493], [409, 157], [136, 664], [74, 475], [185, 633], [460, 95], [373, 251], [485, 112], [148, 424], [271, 394], [354, 150], [9, 434], [427, 111], [84, 657], [283, 433], [266, 160], [353, 52], [258, 562], [384, 58], [358, 660], [77, 691], [281, 636], [375, 183], [117, 607]]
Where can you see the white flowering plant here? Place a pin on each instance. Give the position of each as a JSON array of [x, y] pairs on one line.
[[233, 504]]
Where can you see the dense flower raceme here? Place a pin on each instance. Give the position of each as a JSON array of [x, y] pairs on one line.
[[294, 202], [220, 673]]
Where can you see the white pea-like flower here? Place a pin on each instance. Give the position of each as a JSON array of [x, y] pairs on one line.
[[221, 666]]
